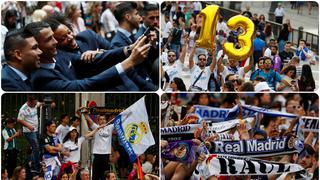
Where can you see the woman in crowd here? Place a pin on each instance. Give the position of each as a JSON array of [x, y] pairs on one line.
[[177, 84], [283, 37], [306, 81], [73, 15], [268, 34], [19, 173], [289, 76]]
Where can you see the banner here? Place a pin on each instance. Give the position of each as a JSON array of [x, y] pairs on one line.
[[229, 165], [222, 114], [181, 151], [132, 127], [311, 124], [186, 132], [257, 148]]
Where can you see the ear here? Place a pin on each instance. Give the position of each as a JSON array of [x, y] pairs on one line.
[[127, 16], [17, 54]]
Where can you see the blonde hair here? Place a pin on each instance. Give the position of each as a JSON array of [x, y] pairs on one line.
[[38, 15]]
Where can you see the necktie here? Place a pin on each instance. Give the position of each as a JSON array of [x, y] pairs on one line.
[[132, 38]]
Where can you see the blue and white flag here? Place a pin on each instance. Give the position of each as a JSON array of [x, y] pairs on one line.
[[133, 129]]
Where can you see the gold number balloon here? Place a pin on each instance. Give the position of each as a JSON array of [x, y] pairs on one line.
[[245, 38], [208, 28]]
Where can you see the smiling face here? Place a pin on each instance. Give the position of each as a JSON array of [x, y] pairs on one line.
[[65, 37], [202, 60], [47, 43]]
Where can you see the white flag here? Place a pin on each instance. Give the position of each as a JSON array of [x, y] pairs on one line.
[[136, 127]]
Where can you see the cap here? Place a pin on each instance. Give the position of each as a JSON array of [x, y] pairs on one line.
[[72, 128], [262, 86]]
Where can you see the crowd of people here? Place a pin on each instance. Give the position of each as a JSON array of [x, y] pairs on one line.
[[276, 64], [55, 153], [181, 112], [80, 46]]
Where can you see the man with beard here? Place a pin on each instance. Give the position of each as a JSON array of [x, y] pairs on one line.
[[150, 19], [174, 67], [286, 54], [48, 78], [22, 57], [233, 68], [128, 17], [200, 74], [271, 76]]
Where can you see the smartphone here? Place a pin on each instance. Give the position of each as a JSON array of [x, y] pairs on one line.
[[146, 33]]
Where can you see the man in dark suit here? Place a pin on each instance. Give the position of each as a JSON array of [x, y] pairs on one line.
[[150, 19], [22, 56], [91, 47], [129, 19], [48, 78]]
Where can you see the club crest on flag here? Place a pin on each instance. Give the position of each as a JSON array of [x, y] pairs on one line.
[[135, 131]]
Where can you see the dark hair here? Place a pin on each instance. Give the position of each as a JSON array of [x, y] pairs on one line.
[[306, 75], [260, 132], [149, 7], [180, 85], [36, 27], [122, 9], [53, 23], [202, 55], [305, 42], [268, 29], [63, 116], [227, 77], [247, 86], [31, 97], [49, 123], [10, 120], [260, 79], [266, 120], [229, 85], [67, 137], [10, 13], [274, 47], [14, 40], [290, 68], [74, 118]]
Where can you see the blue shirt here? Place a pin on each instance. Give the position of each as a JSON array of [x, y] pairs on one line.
[[271, 78], [258, 44]]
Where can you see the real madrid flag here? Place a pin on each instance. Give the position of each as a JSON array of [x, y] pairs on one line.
[[133, 129]]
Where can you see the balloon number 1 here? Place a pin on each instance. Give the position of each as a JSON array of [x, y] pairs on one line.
[[244, 47]]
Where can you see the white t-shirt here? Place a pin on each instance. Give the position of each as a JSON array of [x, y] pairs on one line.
[[74, 149], [267, 53], [279, 12], [30, 115], [204, 78], [167, 29], [6, 136], [108, 21], [197, 6], [227, 70], [102, 139], [62, 131], [174, 70]]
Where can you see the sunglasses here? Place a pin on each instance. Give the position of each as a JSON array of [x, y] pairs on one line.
[[202, 59], [234, 80]]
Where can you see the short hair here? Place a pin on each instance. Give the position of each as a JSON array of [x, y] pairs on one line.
[[74, 118], [202, 55], [247, 86], [36, 27], [53, 23], [124, 8], [10, 120], [31, 97], [305, 42], [274, 47], [107, 174], [227, 77], [82, 171], [288, 42], [49, 123], [63, 116], [149, 7], [14, 40]]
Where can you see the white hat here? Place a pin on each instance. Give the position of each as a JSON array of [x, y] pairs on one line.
[[262, 86], [72, 128]]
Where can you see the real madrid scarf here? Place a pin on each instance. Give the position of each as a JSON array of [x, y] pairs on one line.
[[257, 148], [181, 151], [229, 165], [311, 124]]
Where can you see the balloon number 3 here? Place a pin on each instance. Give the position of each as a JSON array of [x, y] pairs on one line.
[[240, 51]]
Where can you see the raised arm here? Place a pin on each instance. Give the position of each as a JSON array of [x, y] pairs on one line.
[[184, 49], [248, 68], [191, 62], [214, 60]]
